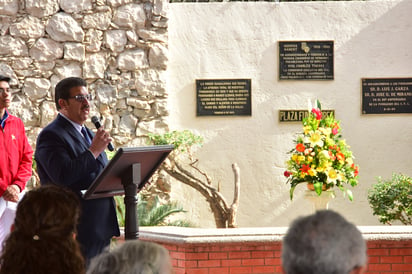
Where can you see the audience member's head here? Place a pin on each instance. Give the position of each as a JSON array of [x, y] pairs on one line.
[[323, 243], [42, 239], [133, 257]]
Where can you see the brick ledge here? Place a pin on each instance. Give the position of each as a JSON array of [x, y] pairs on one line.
[[185, 235]]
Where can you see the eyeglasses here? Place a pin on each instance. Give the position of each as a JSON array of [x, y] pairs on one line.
[[81, 97]]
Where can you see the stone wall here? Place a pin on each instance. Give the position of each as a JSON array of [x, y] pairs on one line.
[[118, 46]]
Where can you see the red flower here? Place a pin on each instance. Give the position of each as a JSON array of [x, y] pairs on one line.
[[305, 168], [356, 168], [300, 147], [287, 173], [317, 112]]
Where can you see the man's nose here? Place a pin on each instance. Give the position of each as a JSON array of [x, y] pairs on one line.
[[85, 102]]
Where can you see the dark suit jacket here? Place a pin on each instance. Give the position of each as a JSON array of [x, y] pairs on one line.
[[62, 158]]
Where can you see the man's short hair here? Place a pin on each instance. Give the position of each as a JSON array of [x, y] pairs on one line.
[[323, 243], [62, 89], [4, 78]]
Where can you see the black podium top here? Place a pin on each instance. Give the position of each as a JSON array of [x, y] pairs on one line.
[[109, 182]]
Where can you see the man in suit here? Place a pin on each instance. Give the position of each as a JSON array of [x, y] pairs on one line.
[[69, 154]]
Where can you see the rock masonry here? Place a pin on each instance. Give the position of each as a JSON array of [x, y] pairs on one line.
[[118, 46]]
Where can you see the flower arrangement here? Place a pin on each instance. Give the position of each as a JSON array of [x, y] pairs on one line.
[[320, 156]]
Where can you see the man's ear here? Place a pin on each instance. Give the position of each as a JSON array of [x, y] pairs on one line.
[[358, 270], [62, 103]]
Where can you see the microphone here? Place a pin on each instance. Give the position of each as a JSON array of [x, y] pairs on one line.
[[97, 124]]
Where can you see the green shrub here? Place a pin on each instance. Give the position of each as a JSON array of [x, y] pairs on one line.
[[391, 200], [182, 140]]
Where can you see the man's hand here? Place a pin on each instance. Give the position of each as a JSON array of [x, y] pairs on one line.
[[100, 142], [12, 193]]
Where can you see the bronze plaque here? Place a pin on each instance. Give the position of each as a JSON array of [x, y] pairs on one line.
[[306, 60], [298, 115], [223, 97], [386, 95]]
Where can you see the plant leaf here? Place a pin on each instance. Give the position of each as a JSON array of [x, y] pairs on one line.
[[292, 189], [318, 104], [350, 194]]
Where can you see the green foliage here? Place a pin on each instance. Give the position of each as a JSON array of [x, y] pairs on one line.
[[182, 140], [152, 214], [156, 214], [391, 200]]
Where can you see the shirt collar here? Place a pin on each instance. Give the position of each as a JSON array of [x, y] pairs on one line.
[[4, 118], [76, 125]]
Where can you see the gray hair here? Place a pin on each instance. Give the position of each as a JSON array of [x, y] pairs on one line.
[[133, 257], [323, 243]]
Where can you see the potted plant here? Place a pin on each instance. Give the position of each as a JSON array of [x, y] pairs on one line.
[[320, 157], [391, 199]]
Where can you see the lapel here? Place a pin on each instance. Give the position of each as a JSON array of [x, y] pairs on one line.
[[74, 134]]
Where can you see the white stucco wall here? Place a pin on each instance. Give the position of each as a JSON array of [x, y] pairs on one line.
[[240, 40]]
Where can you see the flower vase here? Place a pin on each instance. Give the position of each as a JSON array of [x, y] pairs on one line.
[[311, 187], [319, 202]]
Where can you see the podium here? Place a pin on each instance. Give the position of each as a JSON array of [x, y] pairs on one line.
[[126, 174]]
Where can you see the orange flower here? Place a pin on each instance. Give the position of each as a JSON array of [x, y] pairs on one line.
[[340, 157], [300, 147]]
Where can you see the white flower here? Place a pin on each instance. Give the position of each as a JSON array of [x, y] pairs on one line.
[[315, 139], [332, 175]]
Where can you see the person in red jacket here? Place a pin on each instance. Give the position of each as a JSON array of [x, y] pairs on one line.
[[15, 160]]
